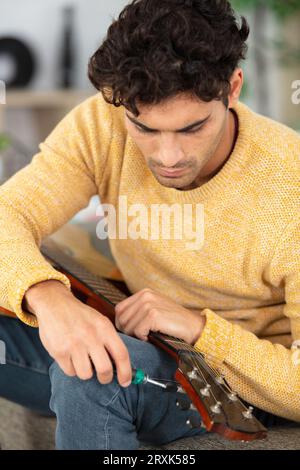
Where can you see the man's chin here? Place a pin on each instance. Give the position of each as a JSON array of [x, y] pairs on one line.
[[173, 183]]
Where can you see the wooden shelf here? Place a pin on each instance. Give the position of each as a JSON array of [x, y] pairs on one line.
[[47, 107], [46, 98]]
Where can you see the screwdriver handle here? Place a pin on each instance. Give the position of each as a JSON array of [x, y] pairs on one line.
[[138, 376]]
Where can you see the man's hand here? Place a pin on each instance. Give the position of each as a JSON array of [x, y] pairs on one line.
[[148, 310], [75, 334]]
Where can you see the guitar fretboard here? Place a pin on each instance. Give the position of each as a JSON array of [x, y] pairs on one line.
[[97, 284]]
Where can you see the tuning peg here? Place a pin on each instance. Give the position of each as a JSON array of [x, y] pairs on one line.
[[181, 390], [182, 404], [216, 408], [249, 413], [220, 379], [205, 391], [195, 422], [232, 396], [193, 375]]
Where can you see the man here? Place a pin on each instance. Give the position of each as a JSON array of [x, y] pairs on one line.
[[176, 135]]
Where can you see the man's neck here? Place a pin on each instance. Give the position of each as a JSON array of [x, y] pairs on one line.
[[225, 148], [223, 152]]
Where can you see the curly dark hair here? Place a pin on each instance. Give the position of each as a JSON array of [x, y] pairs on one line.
[[159, 48]]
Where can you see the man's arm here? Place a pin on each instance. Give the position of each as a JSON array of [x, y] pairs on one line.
[[33, 204], [262, 373], [47, 193]]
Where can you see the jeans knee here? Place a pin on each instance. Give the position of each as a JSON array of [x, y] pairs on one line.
[[70, 393]]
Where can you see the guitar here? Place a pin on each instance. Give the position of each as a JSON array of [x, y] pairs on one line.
[[220, 409]]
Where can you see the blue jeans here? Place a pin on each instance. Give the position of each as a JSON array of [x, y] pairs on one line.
[[91, 415]]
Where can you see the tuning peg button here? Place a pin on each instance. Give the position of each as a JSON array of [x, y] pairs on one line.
[[181, 390], [249, 413], [182, 404], [220, 379], [205, 391], [216, 408], [195, 422], [193, 375], [232, 396]]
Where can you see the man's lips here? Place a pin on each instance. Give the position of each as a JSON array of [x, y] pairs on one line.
[[172, 173]]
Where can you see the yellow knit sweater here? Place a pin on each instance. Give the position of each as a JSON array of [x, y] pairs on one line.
[[246, 276]]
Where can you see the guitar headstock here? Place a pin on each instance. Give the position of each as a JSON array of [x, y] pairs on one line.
[[220, 408]]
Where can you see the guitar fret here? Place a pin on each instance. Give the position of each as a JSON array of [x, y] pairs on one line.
[[96, 283]]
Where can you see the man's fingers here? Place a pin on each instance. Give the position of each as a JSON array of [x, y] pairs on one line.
[[120, 356], [102, 364], [124, 304], [82, 364], [125, 317], [67, 366]]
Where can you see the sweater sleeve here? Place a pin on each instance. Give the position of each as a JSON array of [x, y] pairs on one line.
[[264, 374], [44, 195]]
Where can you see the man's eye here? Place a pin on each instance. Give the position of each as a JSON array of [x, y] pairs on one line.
[[144, 131], [140, 129], [194, 131]]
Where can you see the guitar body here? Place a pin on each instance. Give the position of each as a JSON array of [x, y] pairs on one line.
[[220, 409]]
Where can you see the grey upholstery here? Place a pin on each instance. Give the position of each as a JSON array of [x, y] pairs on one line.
[[20, 429]]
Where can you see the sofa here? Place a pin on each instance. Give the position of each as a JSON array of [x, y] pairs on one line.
[[22, 429]]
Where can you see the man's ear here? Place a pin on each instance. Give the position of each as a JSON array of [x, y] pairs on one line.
[[236, 81]]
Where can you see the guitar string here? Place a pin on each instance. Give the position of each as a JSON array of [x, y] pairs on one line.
[[207, 366], [194, 361], [203, 362], [195, 365], [199, 355]]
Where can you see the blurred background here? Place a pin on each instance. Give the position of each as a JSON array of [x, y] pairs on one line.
[[45, 46]]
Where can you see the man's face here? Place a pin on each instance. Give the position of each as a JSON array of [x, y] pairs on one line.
[[170, 143]]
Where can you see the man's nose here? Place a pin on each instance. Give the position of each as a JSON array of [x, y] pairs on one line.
[[170, 152]]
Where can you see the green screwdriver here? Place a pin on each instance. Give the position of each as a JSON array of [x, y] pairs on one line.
[[140, 377]]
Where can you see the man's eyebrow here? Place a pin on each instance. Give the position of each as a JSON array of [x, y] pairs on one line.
[[185, 129]]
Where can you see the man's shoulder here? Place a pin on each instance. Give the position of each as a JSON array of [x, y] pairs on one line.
[[96, 117], [94, 104], [271, 140]]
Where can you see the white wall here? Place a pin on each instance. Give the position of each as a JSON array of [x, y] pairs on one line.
[[39, 22]]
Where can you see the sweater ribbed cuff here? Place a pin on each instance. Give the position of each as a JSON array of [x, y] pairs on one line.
[[216, 338], [26, 280]]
